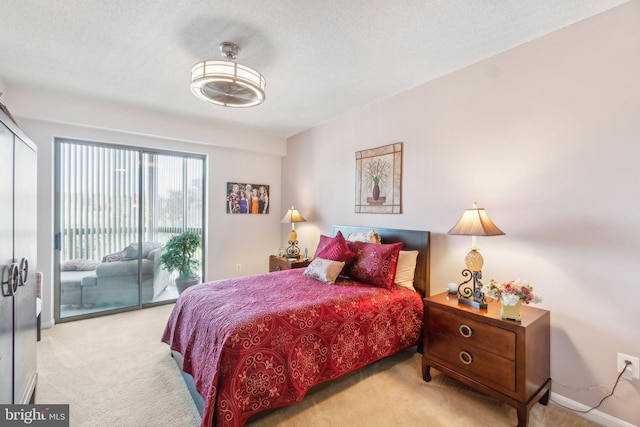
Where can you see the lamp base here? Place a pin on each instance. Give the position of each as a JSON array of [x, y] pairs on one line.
[[293, 251], [471, 293], [472, 302]]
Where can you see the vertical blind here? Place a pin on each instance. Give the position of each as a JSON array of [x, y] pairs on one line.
[[99, 200], [101, 197]]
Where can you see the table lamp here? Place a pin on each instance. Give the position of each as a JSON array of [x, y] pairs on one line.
[[293, 216], [474, 222]]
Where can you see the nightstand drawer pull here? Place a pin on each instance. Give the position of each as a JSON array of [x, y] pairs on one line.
[[278, 268], [465, 357], [465, 331]]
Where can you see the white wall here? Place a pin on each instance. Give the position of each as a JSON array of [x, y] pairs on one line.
[[546, 138], [233, 154]]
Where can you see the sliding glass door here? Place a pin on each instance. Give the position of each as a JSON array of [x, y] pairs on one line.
[[116, 207]]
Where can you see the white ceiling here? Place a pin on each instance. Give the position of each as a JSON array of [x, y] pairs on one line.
[[320, 58]]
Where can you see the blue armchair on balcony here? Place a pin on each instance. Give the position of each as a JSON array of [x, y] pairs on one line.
[[116, 278]]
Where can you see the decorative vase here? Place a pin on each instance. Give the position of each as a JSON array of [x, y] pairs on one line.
[[511, 312], [376, 192]]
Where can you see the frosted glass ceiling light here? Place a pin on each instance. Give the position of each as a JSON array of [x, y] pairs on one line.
[[227, 83]]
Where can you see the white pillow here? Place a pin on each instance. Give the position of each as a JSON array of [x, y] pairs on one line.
[[324, 270], [366, 236], [79, 265], [406, 269]]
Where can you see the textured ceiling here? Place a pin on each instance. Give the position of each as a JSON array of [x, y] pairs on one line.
[[321, 59]]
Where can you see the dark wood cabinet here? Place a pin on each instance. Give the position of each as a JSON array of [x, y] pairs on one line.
[[18, 222], [504, 359], [277, 263]]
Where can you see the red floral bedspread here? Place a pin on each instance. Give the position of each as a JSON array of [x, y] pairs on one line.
[[259, 342]]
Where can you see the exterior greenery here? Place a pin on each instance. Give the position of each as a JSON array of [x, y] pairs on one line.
[[179, 254]]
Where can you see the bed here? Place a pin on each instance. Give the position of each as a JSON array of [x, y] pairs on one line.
[[250, 344]]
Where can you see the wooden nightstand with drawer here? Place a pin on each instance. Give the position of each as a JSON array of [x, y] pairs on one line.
[[507, 360], [277, 263]]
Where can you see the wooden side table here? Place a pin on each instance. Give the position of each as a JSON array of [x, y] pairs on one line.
[[507, 360], [277, 263]]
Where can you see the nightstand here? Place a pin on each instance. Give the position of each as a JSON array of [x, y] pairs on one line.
[[507, 360], [277, 263]]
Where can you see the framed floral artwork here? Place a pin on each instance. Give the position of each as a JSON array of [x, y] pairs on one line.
[[379, 180]]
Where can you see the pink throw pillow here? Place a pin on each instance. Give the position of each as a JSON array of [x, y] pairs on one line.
[[375, 264], [335, 249], [324, 241]]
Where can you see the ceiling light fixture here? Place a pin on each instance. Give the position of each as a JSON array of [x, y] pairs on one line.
[[227, 83]]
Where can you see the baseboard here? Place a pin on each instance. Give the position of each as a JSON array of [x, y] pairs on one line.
[[48, 324], [595, 415]]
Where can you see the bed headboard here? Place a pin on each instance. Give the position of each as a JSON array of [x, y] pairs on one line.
[[411, 239]]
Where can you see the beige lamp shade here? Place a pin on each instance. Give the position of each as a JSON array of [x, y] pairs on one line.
[[293, 216], [475, 222]]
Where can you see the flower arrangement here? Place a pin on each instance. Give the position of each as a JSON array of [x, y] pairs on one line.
[[377, 171], [511, 292]]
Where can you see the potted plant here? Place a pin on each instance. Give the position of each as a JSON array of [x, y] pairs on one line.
[[178, 256]]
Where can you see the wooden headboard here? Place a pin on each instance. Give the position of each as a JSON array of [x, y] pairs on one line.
[[411, 239]]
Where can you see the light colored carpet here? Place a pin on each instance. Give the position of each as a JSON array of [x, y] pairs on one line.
[[114, 371]]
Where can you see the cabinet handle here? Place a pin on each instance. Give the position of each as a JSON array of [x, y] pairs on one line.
[[465, 331], [278, 268], [14, 281], [13, 278], [6, 287], [24, 271], [465, 357]]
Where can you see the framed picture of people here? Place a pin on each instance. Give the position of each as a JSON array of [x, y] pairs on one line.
[[244, 198]]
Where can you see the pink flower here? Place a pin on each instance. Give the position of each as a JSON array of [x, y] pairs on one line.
[[512, 289]]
